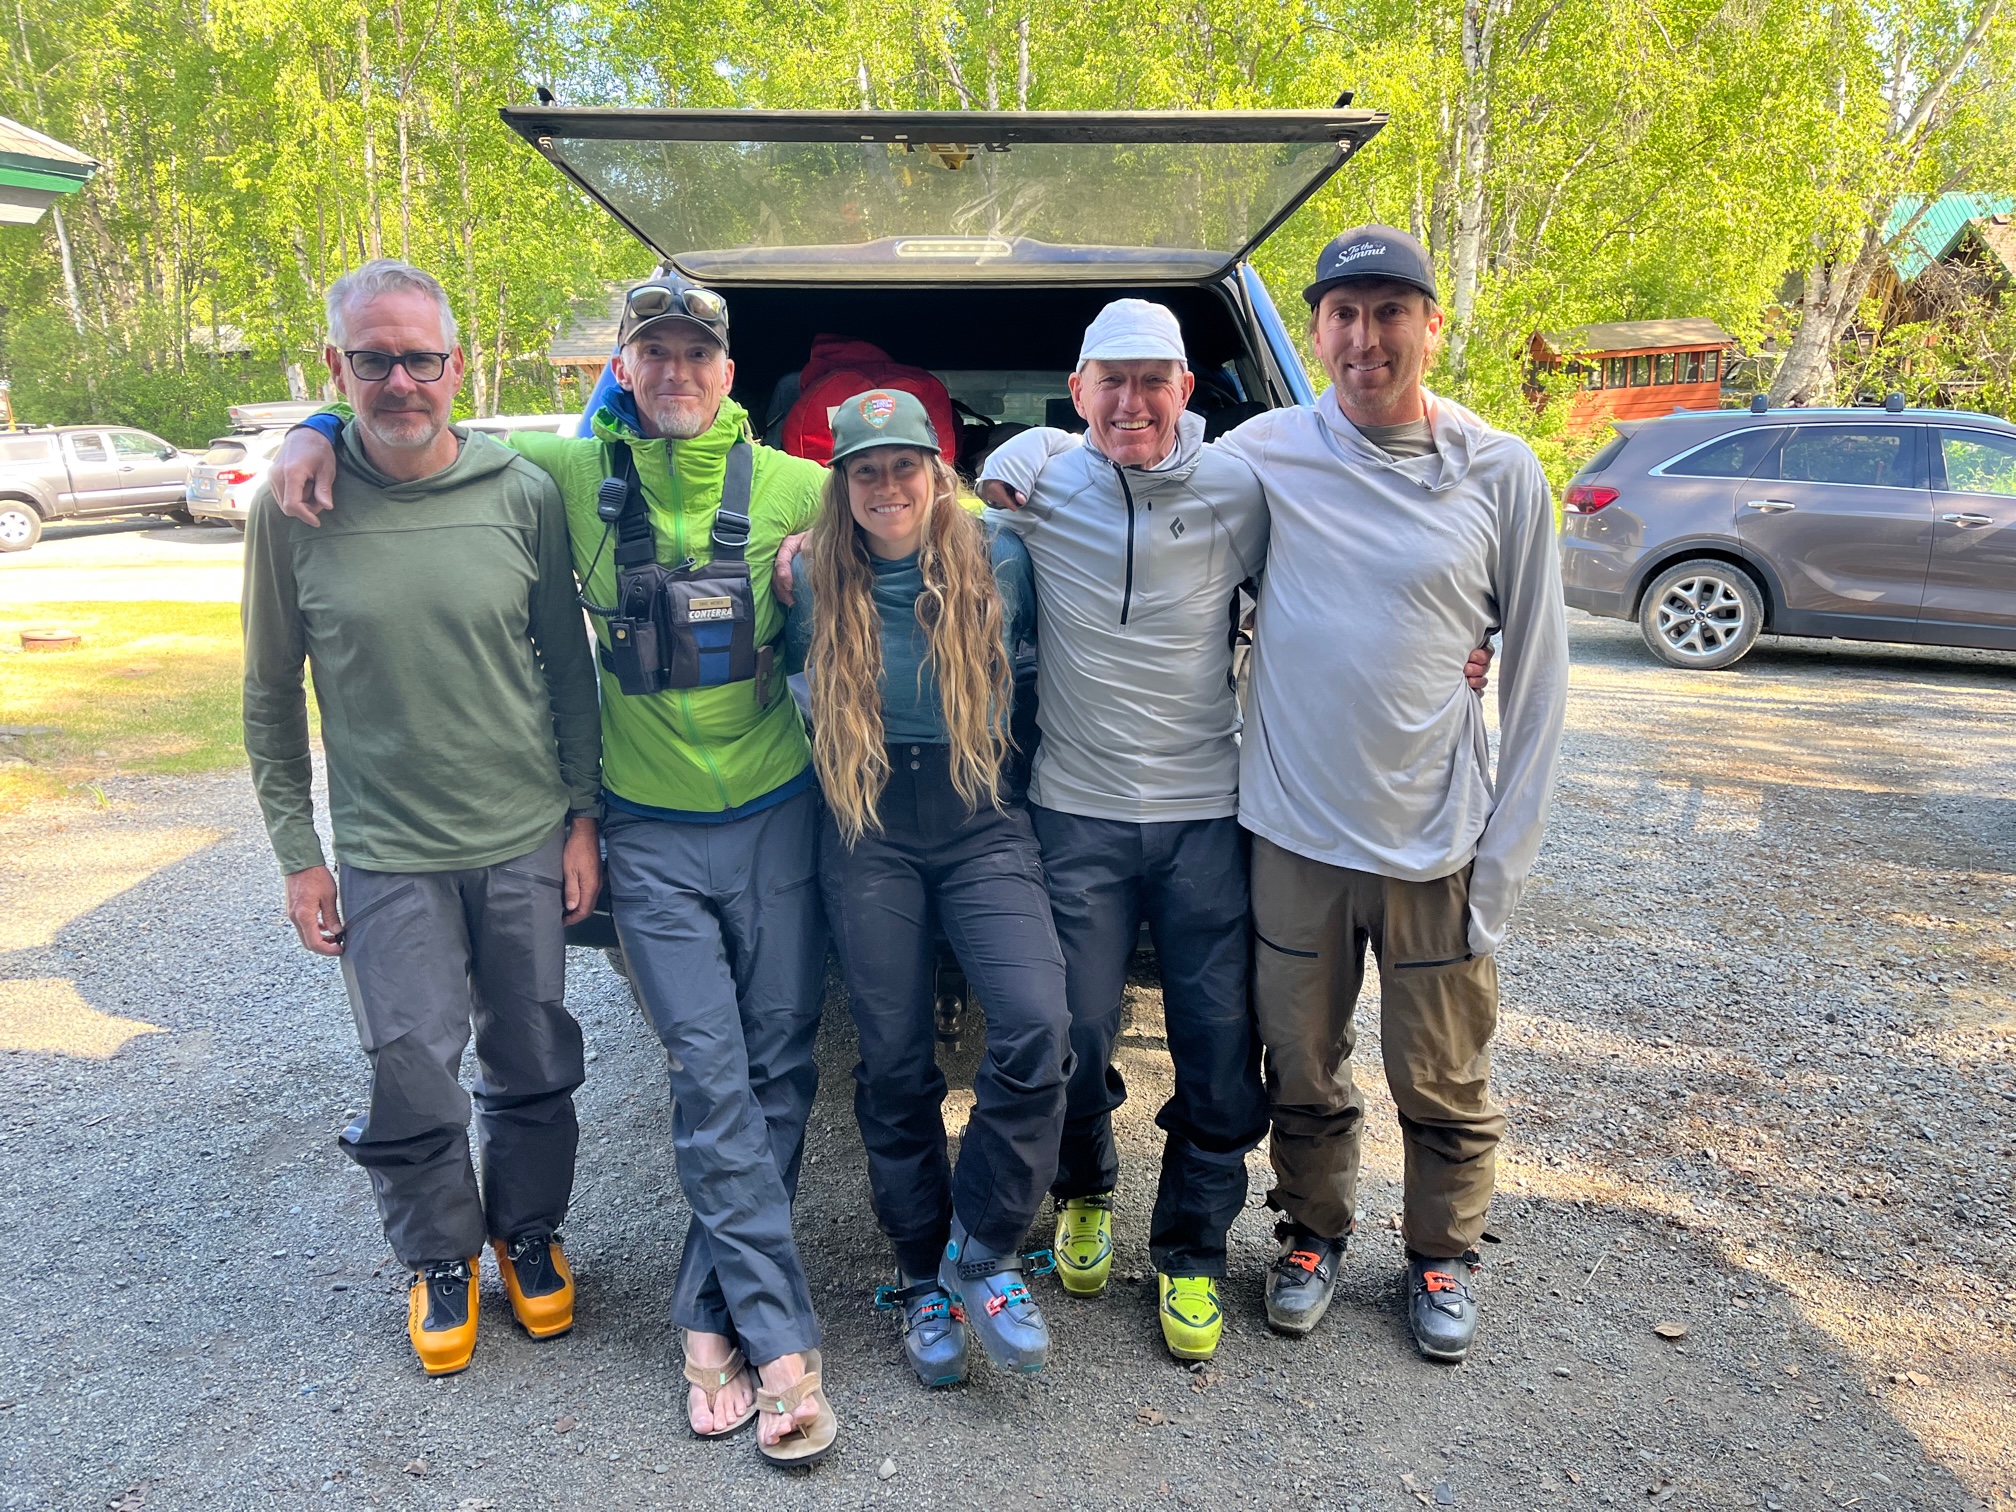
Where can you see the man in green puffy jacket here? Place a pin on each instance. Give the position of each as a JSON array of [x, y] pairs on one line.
[[709, 823]]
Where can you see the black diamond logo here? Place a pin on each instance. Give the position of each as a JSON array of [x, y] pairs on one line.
[[1176, 527]]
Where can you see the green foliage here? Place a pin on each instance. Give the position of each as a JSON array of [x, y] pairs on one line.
[[1636, 158]]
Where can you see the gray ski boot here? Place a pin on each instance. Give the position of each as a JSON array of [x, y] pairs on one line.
[[998, 1307], [934, 1328], [1442, 1307]]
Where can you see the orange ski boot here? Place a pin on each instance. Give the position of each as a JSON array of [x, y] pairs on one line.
[[540, 1285], [441, 1315]]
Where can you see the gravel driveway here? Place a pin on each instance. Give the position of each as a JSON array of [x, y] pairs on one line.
[[1759, 1051]]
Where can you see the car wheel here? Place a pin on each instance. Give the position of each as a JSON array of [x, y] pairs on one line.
[[1701, 614], [20, 525]]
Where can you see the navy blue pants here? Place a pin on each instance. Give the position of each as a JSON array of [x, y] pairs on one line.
[[976, 876], [721, 929], [1188, 881]]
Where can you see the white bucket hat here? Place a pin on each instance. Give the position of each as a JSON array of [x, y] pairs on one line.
[[1132, 329]]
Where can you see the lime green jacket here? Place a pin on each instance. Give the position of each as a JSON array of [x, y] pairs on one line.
[[696, 750], [693, 750]]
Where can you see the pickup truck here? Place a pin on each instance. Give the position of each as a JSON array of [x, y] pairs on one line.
[[82, 470]]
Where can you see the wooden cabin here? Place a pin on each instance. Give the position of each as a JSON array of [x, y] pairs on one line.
[[1633, 369], [581, 348]]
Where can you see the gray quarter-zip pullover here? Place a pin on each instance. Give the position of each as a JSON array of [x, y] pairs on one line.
[[1136, 570]]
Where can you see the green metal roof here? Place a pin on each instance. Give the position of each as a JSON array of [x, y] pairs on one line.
[[29, 151], [1933, 237]]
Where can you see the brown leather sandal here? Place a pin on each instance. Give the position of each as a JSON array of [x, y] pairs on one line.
[[712, 1381], [808, 1443]]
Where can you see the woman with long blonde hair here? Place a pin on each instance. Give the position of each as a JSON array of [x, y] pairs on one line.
[[906, 620]]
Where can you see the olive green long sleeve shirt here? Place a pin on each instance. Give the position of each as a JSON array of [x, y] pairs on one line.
[[450, 662]]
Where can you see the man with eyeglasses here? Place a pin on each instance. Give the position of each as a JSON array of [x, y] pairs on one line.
[[710, 816], [458, 716]]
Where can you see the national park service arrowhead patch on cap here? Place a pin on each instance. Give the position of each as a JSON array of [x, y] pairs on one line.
[[878, 408]]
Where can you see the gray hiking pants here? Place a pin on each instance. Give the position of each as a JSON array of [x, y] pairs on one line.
[[725, 939], [425, 954]]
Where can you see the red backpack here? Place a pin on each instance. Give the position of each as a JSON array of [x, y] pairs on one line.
[[840, 368]]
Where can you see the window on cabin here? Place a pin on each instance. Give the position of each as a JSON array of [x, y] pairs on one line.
[[1641, 371], [1662, 368], [1690, 368], [1614, 370], [1711, 365]]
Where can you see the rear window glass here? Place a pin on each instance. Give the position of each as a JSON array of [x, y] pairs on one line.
[[26, 449], [1603, 457], [89, 448], [224, 453], [1734, 456], [1873, 456]]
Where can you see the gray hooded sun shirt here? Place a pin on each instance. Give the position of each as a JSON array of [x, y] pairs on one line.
[[1363, 746]]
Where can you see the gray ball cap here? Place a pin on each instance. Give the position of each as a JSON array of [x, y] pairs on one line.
[[881, 417], [1365, 253]]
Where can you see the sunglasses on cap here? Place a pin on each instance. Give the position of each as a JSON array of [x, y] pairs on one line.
[[649, 301]]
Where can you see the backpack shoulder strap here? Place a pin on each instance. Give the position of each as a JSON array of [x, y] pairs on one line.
[[730, 534], [636, 546]]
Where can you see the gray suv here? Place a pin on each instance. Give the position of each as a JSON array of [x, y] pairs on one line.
[[1877, 525]]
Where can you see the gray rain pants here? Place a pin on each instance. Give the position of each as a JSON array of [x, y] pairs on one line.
[[424, 955], [725, 939]]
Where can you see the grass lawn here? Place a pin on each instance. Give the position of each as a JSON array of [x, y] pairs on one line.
[[153, 688]]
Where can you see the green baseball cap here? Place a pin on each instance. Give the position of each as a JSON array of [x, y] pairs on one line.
[[881, 417]]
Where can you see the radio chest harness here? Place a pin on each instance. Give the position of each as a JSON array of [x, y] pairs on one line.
[[689, 626]]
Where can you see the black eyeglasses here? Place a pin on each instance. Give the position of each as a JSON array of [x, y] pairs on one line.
[[648, 301], [376, 367]]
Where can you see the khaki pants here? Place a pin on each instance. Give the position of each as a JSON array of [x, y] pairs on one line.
[[1439, 1009]]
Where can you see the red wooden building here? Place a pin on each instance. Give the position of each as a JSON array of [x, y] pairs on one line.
[[1631, 369]]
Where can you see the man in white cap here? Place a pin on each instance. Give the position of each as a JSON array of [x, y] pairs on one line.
[[1140, 539]]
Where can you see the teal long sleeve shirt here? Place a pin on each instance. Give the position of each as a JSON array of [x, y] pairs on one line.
[[911, 710]]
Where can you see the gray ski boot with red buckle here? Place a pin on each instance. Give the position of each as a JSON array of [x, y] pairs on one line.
[[997, 1303]]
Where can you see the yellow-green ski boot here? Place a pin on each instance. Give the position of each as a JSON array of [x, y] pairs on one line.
[[1084, 1243], [1191, 1321]]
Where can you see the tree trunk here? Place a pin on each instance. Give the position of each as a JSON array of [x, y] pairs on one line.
[[1829, 305], [466, 227], [497, 355], [1022, 62], [405, 189], [1466, 258], [374, 236], [71, 295]]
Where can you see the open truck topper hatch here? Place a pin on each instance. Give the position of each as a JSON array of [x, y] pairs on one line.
[[948, 196]]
